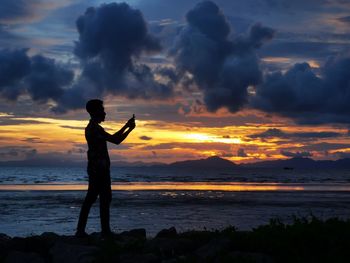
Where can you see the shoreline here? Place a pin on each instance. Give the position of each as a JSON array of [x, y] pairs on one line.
[[305, 240]]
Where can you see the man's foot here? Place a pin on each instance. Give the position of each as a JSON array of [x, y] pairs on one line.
[[81, 234]]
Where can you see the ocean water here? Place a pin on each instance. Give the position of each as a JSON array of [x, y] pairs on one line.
[[77, 175], [244, 198]]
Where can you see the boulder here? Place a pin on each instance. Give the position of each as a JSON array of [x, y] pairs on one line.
[[139, 258], [213, 248], [4, 244], [23, 257], [167, 233], [29, 244], [169, 246], [4, 237], [49, 238], [240, 256], [71, 253], [139, 233]]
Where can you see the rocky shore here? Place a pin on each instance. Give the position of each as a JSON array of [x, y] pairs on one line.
[[306, 240]]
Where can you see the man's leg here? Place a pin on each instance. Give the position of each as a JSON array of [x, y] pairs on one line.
[[105, 202], [90, 198]]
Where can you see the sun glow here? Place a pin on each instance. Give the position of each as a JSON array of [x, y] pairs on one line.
[[201, 137]]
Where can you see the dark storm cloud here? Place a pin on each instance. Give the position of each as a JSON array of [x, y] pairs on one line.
[[278, 133], [47, 78], [222, 68], [111, 39], [306, 97], [113, 33], [42, 78], [14, 66], [295, 154]]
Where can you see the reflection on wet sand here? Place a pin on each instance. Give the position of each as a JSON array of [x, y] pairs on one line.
[[183, 186]]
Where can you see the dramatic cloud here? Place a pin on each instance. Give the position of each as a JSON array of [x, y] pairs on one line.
[[14, 66], [306, 97], [112, 37], [278, 133], [295, 154], [47, 79], [40, 77], [113, 33], [222, 68]]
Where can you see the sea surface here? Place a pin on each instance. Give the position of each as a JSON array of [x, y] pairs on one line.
[[34, 200]]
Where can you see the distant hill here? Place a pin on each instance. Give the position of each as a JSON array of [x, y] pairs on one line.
[[211, 162], [299, 162], [135, 164]]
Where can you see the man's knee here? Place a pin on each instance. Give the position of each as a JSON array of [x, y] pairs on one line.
[[90, 198], [105, 198]]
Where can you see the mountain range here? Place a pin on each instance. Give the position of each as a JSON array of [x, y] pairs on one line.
[[208, 163], [296, 162]]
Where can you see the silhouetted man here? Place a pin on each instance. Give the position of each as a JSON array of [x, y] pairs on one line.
[[99, 164]]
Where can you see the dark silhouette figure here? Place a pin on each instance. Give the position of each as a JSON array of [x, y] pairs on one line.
[[99, 165]]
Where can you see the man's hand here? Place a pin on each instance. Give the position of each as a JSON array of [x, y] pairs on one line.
[[131, 123]]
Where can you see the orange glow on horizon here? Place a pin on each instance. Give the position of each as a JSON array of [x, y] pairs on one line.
[[158, 186], [167, 141], [185, 186]]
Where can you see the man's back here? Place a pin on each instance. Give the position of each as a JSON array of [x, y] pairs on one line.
[[98, 158]]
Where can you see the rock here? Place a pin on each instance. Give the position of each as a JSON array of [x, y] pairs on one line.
[[167, 233], [49, 235], [213, 248], [68, 253], [239, 256], [23, 257], [169, 246], [139, 233], [4, 237], [4, 244], [29, 244], [49, 238], [139, 258]]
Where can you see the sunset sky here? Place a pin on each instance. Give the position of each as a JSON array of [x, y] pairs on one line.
[[246, 80]]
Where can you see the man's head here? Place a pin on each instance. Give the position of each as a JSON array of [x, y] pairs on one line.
[[96, 110]]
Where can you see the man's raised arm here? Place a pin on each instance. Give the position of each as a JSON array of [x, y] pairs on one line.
[[120, 135]]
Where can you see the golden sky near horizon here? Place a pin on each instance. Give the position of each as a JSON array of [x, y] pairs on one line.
[[161, 141]]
